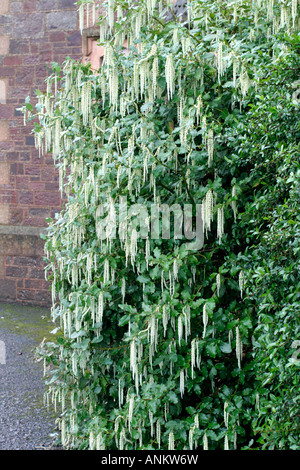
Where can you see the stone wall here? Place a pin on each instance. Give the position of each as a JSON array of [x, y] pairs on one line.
[[33, 33], [21, 266]]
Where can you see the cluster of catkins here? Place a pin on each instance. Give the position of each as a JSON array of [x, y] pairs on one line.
[[140, 82]]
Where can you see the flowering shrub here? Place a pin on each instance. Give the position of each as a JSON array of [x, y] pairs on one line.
[[268, 143], [155, 345]]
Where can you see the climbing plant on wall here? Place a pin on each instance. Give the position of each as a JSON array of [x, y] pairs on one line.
[[155, 349]]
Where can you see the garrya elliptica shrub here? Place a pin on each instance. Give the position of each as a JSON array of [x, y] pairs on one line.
[[265, 160], [154, 348]]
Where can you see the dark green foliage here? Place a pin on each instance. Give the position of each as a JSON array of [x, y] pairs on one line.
[[268, 150]]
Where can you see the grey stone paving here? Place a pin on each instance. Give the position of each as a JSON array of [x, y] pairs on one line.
[[25, 423]]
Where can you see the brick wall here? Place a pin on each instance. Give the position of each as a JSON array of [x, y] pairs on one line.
[[33, 33], [21, 266]]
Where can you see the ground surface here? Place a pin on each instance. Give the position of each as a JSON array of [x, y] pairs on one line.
[[25, 423]]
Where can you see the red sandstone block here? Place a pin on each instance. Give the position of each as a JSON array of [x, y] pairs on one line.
[[51, 186], [6, 111], [31, 60], [42, 40], [25, 75], [13, 271], [40, 84], [46, 56], [24, 156], [14, 7], [29, 25], [58, 49], [34, 261], [48, 174], [39, 212], [41, 71], [25, 295], [15, 216], [65, 4], [37, 186], [21, 183], [14, 169], [26, 197], [18, 92], [8, 197], [32, 170], [46, 47], [29, 6], [15, 133], [17, 46], [66, 21], [6, 71], [7, 289], [76, 52], [45, 5], [46, 198], [13, 60], [36, 284], [34, 178], [59, 36], [75, 39], [34, 48], [5, 145], [35, 159], [35, 273], [12, 156], [34, 221]]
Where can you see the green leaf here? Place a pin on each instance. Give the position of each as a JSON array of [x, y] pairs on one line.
[[124, 320], [81, 345], [172, 398], [211, 349], [225, 348]]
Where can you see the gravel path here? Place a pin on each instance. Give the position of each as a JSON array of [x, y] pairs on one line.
[[25, 423]]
